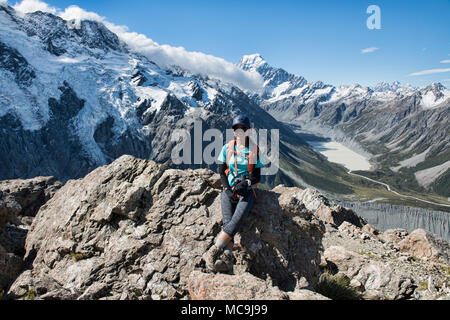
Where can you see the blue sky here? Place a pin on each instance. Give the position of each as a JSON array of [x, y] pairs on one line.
[[320, 40]]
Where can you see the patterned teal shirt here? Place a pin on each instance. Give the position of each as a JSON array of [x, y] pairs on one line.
[[241, 161]]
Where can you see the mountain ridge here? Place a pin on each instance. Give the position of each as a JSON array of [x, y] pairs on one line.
[[394, 124], [88, 99]]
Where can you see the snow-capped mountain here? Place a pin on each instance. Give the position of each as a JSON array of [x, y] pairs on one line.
[[74, 96], [280, 85], [277, 81], [79, 85], [394, 122]]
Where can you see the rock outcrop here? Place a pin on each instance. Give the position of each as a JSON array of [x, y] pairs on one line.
[[388, 265], [425, 245], [378, 280], [337, 214], [206, 286], [23, 198], [136, 229], [19, 202]]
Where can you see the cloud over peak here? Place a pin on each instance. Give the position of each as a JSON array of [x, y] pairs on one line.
[[164, 55], [28, 6]]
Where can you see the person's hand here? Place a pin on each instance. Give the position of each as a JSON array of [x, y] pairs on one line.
[[241, 188]]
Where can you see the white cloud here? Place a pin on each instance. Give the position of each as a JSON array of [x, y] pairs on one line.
[[445, 61], [3, 2], [164, 55], [430, 71], [371, 49], [27, 6], [76, 13], [195, 62]]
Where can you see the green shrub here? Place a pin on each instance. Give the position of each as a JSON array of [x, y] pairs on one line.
[[76, 256], [336, 287], [29, 295]]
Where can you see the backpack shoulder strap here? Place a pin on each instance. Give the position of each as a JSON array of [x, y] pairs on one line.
[[230, 150], [253, 158]]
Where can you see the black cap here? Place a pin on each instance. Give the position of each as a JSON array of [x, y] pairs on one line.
[[241, 120]]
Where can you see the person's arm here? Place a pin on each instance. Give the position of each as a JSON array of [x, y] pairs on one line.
[[255, 176], [223, 177]]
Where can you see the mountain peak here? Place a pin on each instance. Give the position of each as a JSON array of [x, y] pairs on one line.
[[251, 61], [386, 86], [436, 86]]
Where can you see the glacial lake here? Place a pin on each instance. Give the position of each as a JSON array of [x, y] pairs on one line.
[[338, 153], [382, 215]]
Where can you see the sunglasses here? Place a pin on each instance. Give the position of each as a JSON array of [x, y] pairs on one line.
[[240, 128]]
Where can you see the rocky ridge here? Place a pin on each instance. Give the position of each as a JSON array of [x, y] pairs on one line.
[[136, 229]]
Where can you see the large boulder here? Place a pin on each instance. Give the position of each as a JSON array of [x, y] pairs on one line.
[[26, 196], [280, 241], [207, 286], [337, 214], [381, 281], [376, 279], [137, 230], [425, 245], [393, 236]]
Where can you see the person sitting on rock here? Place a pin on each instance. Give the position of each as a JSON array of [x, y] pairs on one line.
[[240, 172]]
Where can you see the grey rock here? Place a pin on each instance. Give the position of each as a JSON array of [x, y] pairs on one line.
[[28, 195], [336, 215], [425, 245], [379, 280], [136, 230], [19, 200]]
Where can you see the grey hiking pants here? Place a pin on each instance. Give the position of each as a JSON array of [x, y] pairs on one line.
[[233, 212]]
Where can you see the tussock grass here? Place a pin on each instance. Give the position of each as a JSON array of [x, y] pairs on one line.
[[336, 287]]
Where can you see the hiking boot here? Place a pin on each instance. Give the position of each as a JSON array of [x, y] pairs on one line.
[[225, 263], [211, 256], [221, 266]]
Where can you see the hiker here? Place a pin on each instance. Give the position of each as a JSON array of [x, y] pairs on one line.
[[240, 172]]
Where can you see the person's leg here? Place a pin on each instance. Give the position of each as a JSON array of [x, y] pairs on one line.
[[222, 239], [226, 261], [242, 209], [228, 208]]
